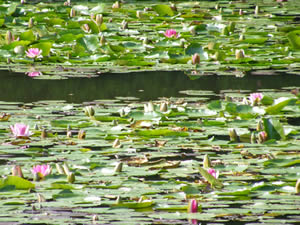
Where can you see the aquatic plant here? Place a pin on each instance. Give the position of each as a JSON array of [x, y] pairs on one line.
[[20, 130]]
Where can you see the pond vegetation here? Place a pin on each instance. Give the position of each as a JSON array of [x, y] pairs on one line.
[[220, 154]]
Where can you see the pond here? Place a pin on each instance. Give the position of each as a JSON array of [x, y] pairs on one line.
[[143, 112]]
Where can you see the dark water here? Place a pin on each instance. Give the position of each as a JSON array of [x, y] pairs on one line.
[[145, 85]]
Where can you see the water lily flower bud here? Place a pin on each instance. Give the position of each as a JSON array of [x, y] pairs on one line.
[[99, 19], [102, 40], [40, 198], [124, 25], [242, 37], [69, 134], [146, 9], [22, 1], [59, 169], [95, 218], [139, 14], [85, 27], [192, 30], [118, 200], [150, 106], [196, 59], [117, 143], [260, 125], [30, 22], [241, 12], [173, 7], [297, 188], [67, 3], [233, 135], [217, 6], [114, 122], [118, 167], [163, 107], [81, 134], [19, 50], [239, 54], [116, 5], [206, 162], [122, 112], [8, 37], [17, 171], [72, 13], [44, 133], [71, 178], [262, 137], [221, 10], [257, 9], [89, 111], [193, 206]]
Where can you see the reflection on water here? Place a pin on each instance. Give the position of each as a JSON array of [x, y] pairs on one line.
[[144, 85]]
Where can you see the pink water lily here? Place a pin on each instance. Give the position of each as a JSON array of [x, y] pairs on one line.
[[41, 170], [171, 33], [20, 130], [193, 206], [34, 73], [255, 98], [34, 53], [213, 172]]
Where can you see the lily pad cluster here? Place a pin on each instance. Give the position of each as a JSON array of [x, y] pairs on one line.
[[207, 36], [168, 161]]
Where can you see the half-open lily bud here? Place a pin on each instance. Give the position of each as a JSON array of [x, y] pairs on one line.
[[163, 107], [233, 135], [118, 167], [81, 134], [241, 12], [118, 200], [206, 162], [297, 188], [17, 171], [116, 5], [40, 198], [196, 59], [72, 13], [86, 28], [22, 1], [193, 206], [242, 37], [30, 22], [99, 19], [150, 106], [89, 111], [8, 37], [262, 137], [117, 143], [239, 54], [69, 134], [71, 178]]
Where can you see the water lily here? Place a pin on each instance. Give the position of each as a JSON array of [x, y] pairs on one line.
[[213, 172], [34, 53], [34, 73], [193, 206], [41, 170], [171, 33], [20, 130], [255, 98], [195, 59]]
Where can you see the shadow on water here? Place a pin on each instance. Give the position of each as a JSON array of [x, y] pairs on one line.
[[144, 85]]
